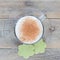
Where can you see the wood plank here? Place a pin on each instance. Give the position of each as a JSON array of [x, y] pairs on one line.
[[7, 35], [52, 32], [14, 9], [9, 40], [53, 15], [11, 54]]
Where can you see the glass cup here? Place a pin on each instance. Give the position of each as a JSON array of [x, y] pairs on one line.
[[30, 12]]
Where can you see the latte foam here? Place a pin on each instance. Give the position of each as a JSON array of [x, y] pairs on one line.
[[29, 29]]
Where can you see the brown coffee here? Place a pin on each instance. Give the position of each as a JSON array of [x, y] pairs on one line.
[[29, 30]]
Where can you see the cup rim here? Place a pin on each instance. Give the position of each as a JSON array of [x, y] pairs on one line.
[[35, 40]]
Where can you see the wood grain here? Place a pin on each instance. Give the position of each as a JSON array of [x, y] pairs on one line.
[[53, 15], [7, 35], [11, 54], [52, 32], [9, 40], [13, 9]]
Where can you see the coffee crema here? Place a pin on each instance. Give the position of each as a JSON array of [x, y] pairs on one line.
[[29, 29]]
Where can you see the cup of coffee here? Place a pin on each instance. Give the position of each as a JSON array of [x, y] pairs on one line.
[[29, 29]]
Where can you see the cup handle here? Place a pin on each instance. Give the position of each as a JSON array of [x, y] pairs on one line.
[[42, 17]]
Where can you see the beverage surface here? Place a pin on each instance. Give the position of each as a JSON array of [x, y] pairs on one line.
[[30, 29]]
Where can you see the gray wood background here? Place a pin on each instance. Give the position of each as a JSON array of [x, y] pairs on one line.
[[12, 10]]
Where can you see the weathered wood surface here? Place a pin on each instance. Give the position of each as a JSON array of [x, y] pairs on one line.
[[53, 15], [11, 54], [7, 35], [52, 32], [9, 40], [12, 10]]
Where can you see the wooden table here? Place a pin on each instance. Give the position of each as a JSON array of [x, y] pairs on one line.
[[10, 12]]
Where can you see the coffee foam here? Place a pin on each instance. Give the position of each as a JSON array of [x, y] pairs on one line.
[[19, 26]]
